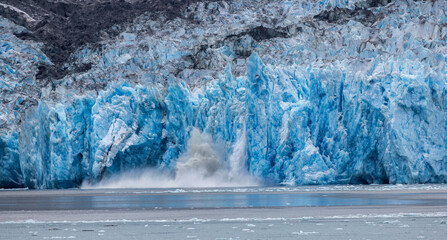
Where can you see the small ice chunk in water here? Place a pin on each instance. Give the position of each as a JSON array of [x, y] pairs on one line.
[[301, 232]]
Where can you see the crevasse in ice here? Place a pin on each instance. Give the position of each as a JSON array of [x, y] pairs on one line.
[[285, 93]]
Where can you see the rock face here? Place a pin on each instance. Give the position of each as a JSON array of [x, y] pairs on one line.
[[64, 26], [294, 92]]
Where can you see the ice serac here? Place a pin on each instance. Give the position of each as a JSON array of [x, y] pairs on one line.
[[292, 92]]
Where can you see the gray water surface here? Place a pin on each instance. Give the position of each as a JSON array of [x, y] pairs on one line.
[[106, 199], [320, 213]]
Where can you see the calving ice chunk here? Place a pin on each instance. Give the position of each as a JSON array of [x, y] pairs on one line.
[[200, 166], [231, 93]]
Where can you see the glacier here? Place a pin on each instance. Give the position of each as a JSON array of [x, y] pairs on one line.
[[288, 91]]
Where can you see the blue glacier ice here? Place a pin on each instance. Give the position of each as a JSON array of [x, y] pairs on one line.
[[313, 101]]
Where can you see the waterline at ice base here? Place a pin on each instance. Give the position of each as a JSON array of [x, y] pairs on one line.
[[226, 93]]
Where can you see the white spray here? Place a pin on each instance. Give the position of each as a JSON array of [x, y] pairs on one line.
[[200, 166], [237, 158]]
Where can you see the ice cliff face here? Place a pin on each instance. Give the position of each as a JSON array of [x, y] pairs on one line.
[[295, 92]]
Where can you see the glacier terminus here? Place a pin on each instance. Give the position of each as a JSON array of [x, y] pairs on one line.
[[285, 92]]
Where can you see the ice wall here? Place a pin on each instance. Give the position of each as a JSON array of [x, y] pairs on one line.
[[324, 103]]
